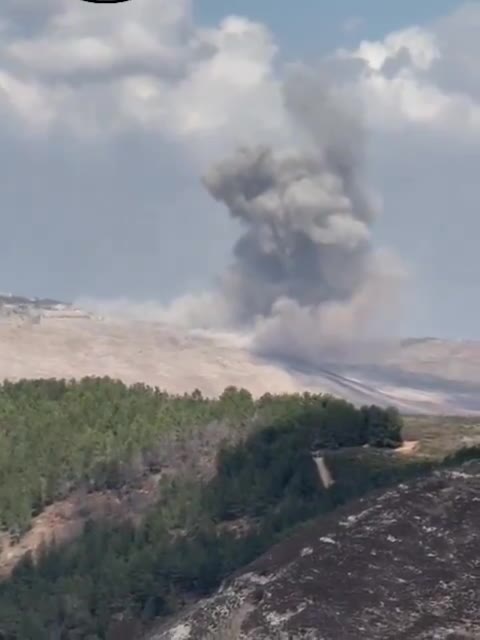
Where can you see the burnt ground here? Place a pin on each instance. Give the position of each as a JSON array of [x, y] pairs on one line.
[[401, 564]]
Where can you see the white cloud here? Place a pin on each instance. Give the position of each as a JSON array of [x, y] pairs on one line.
[[97, 69], [421, 89], [405, 76], [419, 44], [102, 69], [84, 39]]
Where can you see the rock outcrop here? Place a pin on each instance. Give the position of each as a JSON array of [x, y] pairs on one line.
[[402, 564]]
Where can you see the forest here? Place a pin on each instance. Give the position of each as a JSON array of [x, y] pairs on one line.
[[241, 475], [57, 435]]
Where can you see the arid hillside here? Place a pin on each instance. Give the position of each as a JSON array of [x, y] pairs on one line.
[[48, 339]]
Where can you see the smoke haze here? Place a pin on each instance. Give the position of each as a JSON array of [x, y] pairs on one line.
[[305, 281], [305, 277]]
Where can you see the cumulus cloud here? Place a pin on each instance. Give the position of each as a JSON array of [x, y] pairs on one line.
[[421, 88], [422, 76], [147, 64], [96, 69]]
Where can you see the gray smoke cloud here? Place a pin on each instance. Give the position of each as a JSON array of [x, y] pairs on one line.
[[305, 276]]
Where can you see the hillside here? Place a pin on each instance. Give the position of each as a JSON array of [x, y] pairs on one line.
[[50, 339], [401, 564], [160, 497], [122, 505]]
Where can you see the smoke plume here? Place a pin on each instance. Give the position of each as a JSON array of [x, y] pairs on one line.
[[304, 276], [305, 280]]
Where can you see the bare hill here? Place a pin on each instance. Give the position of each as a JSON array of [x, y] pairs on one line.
[[397, 565], [51, 339]]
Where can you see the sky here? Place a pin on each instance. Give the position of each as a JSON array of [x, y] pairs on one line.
[[319, 27], [111, 115]]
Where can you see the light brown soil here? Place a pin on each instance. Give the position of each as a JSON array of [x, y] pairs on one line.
[[408, 448], [437, 377], [63, 521]]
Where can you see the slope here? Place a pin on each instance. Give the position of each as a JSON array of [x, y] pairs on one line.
[[401, 564], [56, 340]]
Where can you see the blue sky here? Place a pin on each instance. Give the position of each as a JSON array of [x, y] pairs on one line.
[[109, 121], [313, 27]]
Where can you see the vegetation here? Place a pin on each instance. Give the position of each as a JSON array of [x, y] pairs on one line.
[[56, 436], [440, 435], [247, 476]]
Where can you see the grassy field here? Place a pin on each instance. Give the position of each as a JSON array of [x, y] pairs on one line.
[[439, 436]]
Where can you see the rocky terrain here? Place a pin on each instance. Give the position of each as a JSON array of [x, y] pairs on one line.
[[47, 338], [402, 564]]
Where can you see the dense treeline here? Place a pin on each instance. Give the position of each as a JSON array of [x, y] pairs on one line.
[[57, 435], [99, 433], [245, 476]]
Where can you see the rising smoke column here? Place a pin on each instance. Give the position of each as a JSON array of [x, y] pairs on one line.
[[304, 273]]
